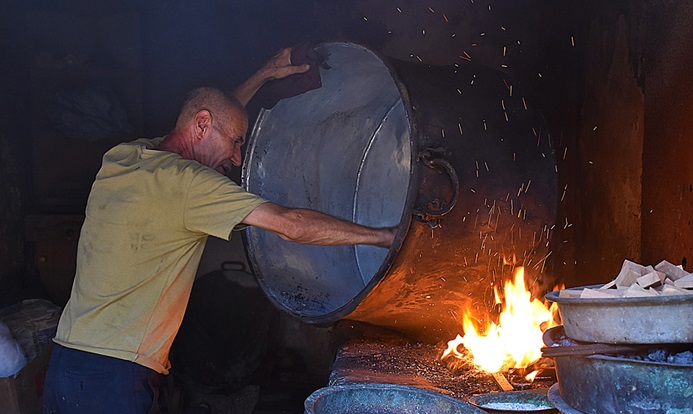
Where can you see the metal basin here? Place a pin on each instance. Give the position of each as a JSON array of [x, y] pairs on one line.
[[514, 402], [383, 399], [645, 320], [600, 384], [344, 149], [455, 157], [609, 385]]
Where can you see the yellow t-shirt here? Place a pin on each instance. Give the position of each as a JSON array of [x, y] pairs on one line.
[[147, 220]]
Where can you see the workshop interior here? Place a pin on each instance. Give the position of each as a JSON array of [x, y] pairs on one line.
[[534, 156]]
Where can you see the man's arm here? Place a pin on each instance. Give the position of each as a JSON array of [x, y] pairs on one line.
[[276, 68], [313, 227]]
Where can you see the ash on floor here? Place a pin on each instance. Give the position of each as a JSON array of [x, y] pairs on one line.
[[377, 356]]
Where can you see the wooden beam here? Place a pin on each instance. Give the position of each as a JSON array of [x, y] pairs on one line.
[[502, 381]]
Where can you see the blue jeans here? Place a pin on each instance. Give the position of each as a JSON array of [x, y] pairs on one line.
[[82, 382]]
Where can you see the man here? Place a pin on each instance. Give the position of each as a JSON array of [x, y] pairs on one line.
[[150, 210]]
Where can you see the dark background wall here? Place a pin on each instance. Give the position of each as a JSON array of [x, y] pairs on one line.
[[610, 77], [667, 177]]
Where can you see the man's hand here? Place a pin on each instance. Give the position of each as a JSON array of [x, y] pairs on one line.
[[279, 66]]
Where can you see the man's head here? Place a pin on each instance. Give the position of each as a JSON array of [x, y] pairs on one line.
[[216, 125]]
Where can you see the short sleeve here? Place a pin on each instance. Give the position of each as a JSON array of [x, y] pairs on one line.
[[215, 204]]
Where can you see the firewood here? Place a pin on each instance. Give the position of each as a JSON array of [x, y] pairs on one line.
[[502, 381]]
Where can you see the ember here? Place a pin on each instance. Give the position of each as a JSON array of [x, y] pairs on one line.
[[516, 341]]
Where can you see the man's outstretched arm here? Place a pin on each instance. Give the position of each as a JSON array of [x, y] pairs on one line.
[[313, 227]]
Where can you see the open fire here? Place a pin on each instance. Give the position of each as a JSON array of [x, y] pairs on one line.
[[516, 340]]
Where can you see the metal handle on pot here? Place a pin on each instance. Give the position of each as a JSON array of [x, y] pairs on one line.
[[432, 211]]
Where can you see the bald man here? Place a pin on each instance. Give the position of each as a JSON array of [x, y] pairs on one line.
[[151, 208]]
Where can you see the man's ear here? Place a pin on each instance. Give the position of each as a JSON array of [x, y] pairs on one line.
[[203, 123]]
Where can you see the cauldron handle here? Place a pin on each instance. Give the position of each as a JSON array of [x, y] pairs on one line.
[[432, 212]]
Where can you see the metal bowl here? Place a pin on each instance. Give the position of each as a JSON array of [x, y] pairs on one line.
[[555, 397], [372, 398], [642, 320], [612, 385], [514, 402]]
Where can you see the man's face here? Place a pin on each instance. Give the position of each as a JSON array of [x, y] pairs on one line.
[[227, 139]]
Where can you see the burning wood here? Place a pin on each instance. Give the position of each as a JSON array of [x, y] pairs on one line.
[[502, 381], [372, 354], [516, 341]]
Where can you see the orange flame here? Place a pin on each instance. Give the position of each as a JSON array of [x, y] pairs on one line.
[[530, 377], [516, 341]]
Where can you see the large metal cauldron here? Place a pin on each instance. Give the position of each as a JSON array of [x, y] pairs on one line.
[[454, 156], [605, 384]]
